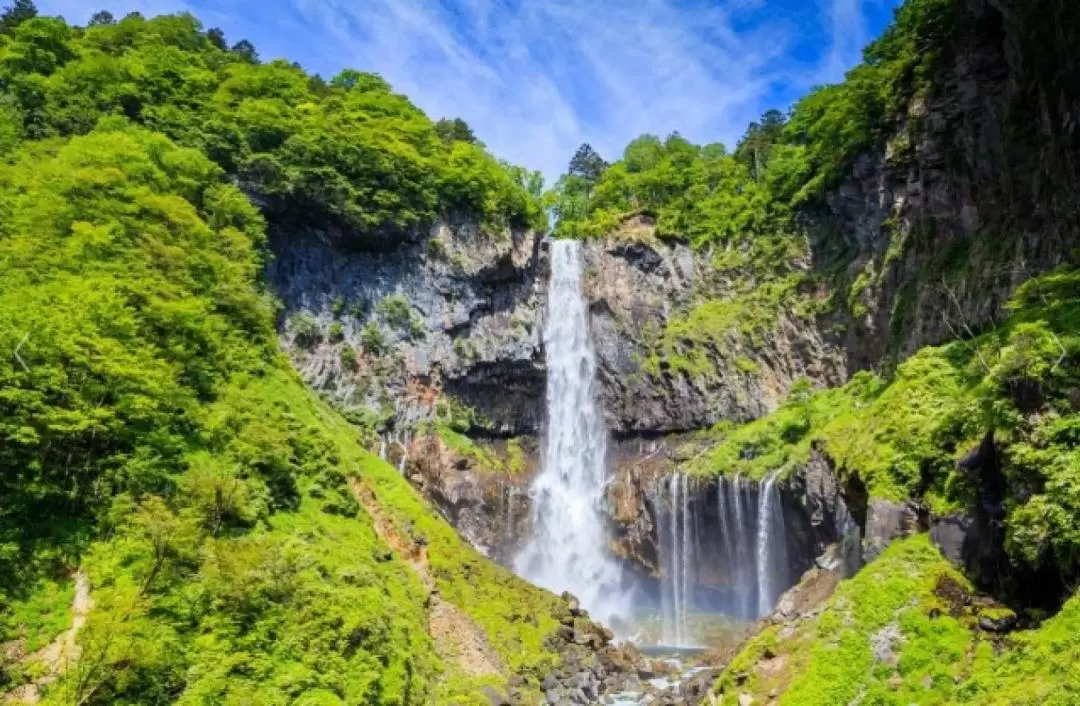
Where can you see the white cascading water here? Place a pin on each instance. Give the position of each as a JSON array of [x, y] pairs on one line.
[[568, 547], [677, 547], [771, 554], [752, 549], [738, 524]]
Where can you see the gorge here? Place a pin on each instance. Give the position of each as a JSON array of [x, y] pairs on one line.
[[313, 400]]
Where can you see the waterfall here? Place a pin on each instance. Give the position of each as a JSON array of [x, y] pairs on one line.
[[678, 552], [568, 547], [771, 554], [745, 569], [753, 544]]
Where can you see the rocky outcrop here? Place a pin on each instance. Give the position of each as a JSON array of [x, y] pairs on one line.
[[975, 191], [637, 285], [393, 330], [488, 506]]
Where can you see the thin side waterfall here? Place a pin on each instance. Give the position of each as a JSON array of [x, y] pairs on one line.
[[745, 569], [568, 547], [678, 543], [771, 554], [687, 564]]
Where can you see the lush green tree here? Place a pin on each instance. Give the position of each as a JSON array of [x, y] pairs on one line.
[[15, 14], [755, 147], [246, 51], [587, 164], [216, 36], [102, 17], [456, 130]]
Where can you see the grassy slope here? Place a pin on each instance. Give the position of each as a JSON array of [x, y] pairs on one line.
[[172, 453], [896, 634], [311, 607]]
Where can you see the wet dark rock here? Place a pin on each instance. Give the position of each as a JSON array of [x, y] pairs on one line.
[[998, 624]]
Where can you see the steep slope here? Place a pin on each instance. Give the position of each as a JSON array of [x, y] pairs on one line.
[[155, 441]]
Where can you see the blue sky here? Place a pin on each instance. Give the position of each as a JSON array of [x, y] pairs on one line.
[[535, 78]]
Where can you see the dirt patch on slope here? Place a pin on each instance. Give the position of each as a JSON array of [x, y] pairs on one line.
[[458, 639], [59, 654]]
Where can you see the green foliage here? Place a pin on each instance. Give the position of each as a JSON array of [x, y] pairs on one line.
[[348, 358], [352, 152], [305, 330], [152, 434], [398, 314], [887, 635], [15, 14], [336, 333], [711, 197], [456, 130], [587, 165], [1040, 667], [903, 435], [371, 338]]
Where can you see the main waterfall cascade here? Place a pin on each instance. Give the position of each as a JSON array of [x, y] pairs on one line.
[[567, 550], [568, 546], [752, 554]]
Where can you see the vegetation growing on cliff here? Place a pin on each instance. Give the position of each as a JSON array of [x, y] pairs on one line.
[[906, 630], [902, 436], [742, 207], [152, 435], [715, 198]]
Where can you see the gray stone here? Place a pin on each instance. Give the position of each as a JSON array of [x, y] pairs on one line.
[[495, 697], [886, 521]]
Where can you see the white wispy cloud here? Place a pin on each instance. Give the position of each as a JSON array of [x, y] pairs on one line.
[[535, 78]]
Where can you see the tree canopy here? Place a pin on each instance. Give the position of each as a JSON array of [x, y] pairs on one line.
[[351, 152]]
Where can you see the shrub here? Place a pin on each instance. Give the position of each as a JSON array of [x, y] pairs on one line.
[[305, 330], [348, 358], [371, 338]]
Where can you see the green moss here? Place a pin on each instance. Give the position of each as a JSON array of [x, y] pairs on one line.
[[891, 607], [746, 365], [903, 434], [909, 607], [484, 455], [1038, 667]]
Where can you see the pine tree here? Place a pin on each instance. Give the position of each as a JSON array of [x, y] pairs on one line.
[[588, 165], [246, 51], [104, 17]]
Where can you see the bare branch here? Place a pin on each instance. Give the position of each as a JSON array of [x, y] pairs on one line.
[[16, 352]]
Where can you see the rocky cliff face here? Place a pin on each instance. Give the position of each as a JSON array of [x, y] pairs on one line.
[[459, 311], [974, 192], [453, 325], [637, 285]]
